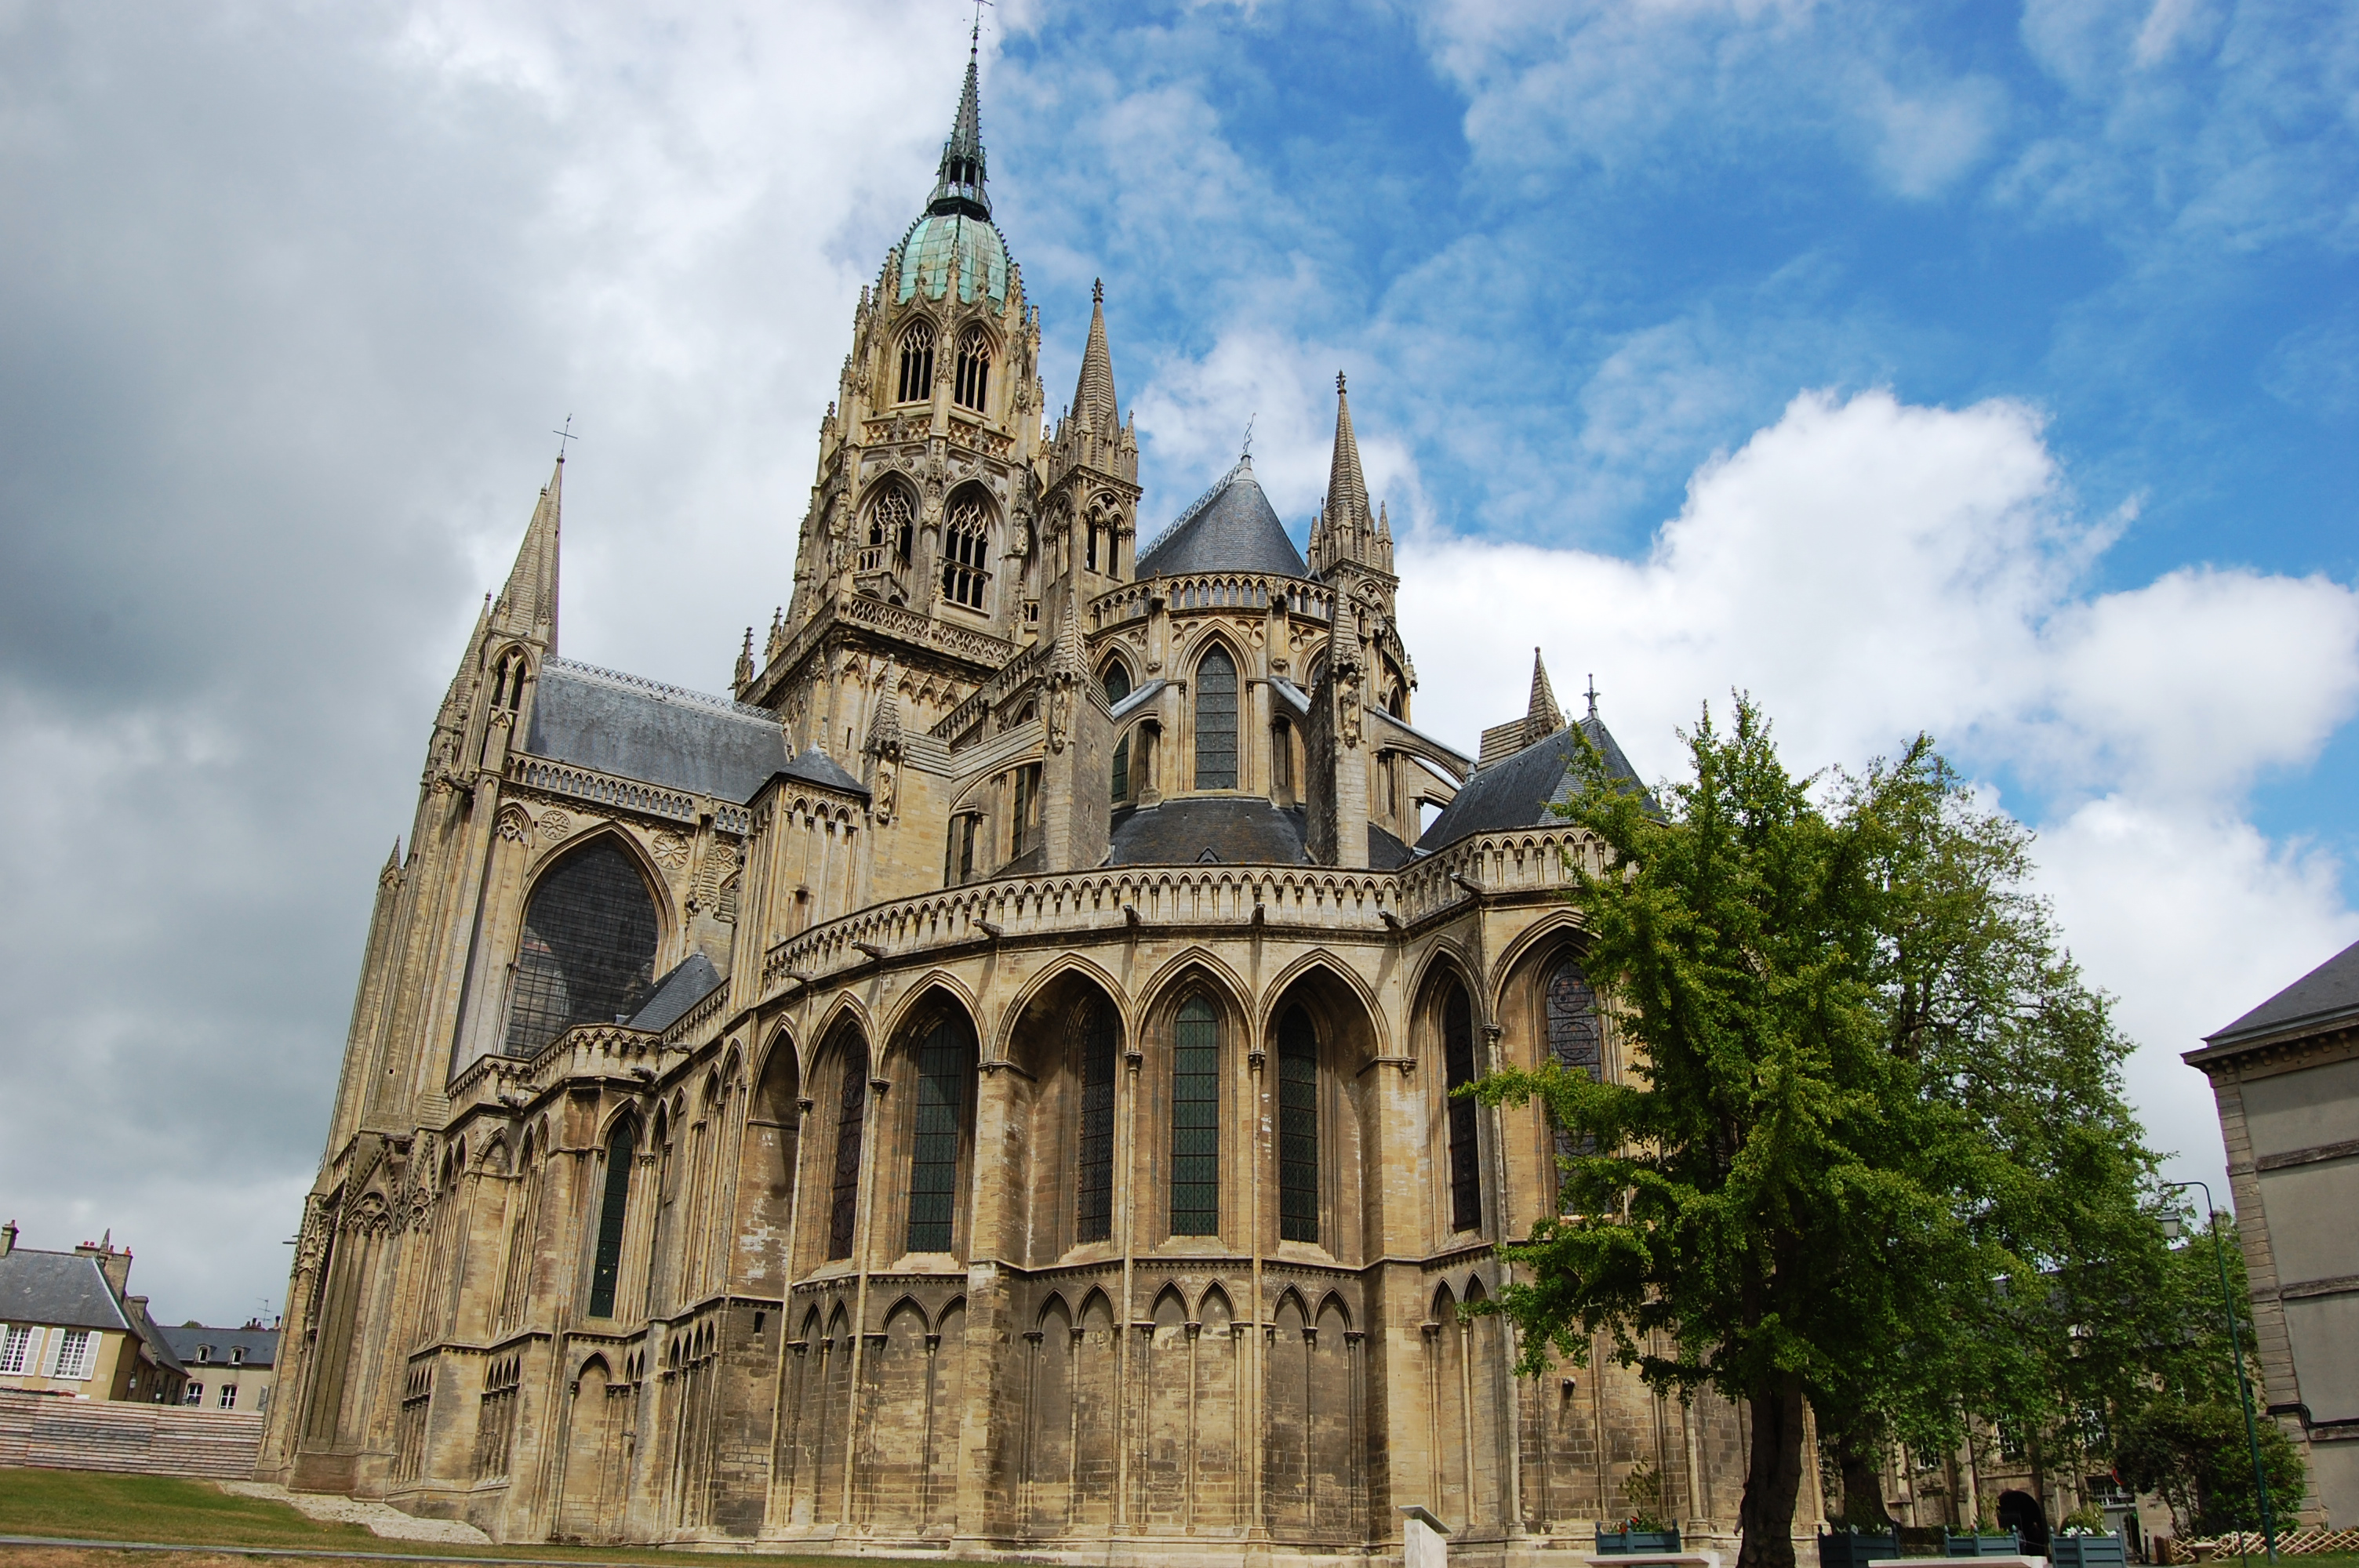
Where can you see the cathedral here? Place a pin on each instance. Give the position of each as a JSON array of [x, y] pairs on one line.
[[983, 1085]]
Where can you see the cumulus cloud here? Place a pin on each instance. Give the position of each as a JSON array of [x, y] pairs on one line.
[[1869, 569]]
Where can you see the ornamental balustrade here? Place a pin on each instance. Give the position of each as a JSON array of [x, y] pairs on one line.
[[605, 789], [993, 692], [1198, 592]]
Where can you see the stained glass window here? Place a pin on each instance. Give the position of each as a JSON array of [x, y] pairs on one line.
[[1117, 686], [1298, 1128], [966, 542], [1465, 1157], [1216, 721], [614, 1207], [1196, 1120], [945, 1069], [851, 1114], [1574, 1041], [588, 955], [1095, 1029]]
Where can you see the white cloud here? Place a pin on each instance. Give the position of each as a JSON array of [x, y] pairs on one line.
[[1868, 568]]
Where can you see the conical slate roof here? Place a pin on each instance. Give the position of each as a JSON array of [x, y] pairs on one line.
[[1231, 528], [1522, 791]]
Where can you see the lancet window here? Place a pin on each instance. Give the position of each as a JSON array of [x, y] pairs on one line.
[[1095, 1029], [892, 526], [1196, 1120], [614, 1208], [916, 363], [588, 953], [851, 1119], [966, 544], [945, 1072], [1298, 1128], [508, 689], [1574, 1041], [1216, 720], [1458, 1064], [1117, 686], [973, 368]]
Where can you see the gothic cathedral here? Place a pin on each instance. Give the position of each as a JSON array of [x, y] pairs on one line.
[[982, 1087]]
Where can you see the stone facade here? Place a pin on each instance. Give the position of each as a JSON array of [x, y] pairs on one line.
[[2286, 1077], [985, 1084]]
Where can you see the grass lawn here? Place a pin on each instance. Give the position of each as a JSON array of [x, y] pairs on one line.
[[95, 1505]]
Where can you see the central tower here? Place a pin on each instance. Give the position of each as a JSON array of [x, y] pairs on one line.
[[917, 562]]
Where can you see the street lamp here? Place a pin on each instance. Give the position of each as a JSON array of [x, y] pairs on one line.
[[2171, 1228]]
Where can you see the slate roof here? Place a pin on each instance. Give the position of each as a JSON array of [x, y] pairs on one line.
[[690, 981], [64, 1289], [659, 734], [260, 1345], [1518, 791], [2328, 991], [1231, 527], [1229, 832], [814, 767]]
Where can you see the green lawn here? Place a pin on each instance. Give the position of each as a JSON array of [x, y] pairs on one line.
[[94, 1505]]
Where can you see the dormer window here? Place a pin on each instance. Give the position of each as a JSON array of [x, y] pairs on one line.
[[918, 364], [973, 368], [204, 1354], [237, 1355]]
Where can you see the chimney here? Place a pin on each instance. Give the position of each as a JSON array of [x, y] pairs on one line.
[[115, 1266], [7, 1238]]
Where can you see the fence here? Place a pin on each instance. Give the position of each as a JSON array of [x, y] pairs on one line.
[[106, 1434]]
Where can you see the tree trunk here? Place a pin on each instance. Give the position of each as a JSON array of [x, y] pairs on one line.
[[1772, 1474], [1858, 1455]]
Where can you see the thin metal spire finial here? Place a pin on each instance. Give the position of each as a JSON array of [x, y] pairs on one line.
[[1592, 695], [564, 436], [1249, 429]]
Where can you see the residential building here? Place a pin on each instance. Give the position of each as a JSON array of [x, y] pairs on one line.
[[69, 1327], [228, 1369]]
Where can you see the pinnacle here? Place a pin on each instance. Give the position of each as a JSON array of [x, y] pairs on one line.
[[527, 605], [1347, 489], [959, 180], [1066, 659], [885, 724], [1094, 404]]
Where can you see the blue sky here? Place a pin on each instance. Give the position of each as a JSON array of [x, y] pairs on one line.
[[1985, 369]]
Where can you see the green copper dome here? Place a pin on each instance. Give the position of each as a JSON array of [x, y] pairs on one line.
[[935, 239]]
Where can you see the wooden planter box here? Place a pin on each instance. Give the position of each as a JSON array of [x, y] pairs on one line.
[[1844, 1550], [1634, 1542], [2008, 1545], [2088, 1551]]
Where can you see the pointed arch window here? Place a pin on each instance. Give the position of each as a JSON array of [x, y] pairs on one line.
[[1297, 1127], [588, 952], [945, 1074], [1117, 686], [892, 528], [1094, 1029], [966, 544], [508, 690], [973, 368], [851, 1119], [1466, 1156], [1216, 720], [916, 363], [1196, 1120], [614, 1208]]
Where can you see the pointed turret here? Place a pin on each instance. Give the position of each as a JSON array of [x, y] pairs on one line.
[[1094, 406], [1543, 716], [527, 605], [959, 181], [884, 719]]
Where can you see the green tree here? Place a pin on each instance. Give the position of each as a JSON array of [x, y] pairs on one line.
[[2194, 1455], [1872, 1158]]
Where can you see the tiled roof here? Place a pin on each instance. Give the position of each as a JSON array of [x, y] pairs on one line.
[[644, 729], [1520, 791], [63, 1290], [2327, 991], [260, 1345], [1231, 528]]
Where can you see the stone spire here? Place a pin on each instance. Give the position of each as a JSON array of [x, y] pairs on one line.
[[1347, 489], [1095, 409], [527, 605], [1543, 716], [959, 180]]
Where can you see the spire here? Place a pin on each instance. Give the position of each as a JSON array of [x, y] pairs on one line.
[[1544, 716], [1094, 406], [527, 605], [959, 180], [885, 722], [1347, 490], [1065, 661]]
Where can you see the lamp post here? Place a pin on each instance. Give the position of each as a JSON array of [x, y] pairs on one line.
[[2236, 1350]]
